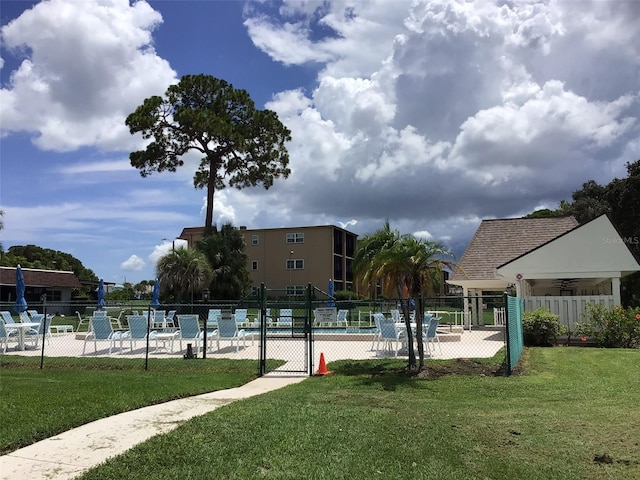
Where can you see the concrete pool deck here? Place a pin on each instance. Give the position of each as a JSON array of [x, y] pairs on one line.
[[482, 342]]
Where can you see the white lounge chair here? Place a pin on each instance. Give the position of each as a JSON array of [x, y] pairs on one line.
[[228, 330], [240, 316], [44, 326], [138, 329], [286, 318], [189, 330], [101, 330], [430, 336], [390, 335], [6, 335], [341, 318]]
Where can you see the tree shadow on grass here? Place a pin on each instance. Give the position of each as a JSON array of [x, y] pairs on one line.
[[392, 373]]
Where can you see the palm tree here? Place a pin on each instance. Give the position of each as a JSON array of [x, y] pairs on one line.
[[226, 255], [409, 267], [183, 272], [427, 261], [368, 248]]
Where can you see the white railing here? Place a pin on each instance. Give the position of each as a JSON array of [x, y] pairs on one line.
[[463, 317], [571, 310], [499, 317]]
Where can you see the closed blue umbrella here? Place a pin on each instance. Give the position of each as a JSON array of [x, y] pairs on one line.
[[155, 301], [331, 303], [101, 302], [21, 303]]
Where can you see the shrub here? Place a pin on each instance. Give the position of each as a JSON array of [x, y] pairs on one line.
[[346, 295], [541, 328], [616, 328]]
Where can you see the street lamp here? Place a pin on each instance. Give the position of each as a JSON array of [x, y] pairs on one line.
[[173, 243]]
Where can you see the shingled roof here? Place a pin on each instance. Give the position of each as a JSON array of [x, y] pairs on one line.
[[39, 278], [499, 241]]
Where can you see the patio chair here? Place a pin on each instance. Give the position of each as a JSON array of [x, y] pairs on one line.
[[228, 330], [44, 326], [286, 318], [25, 318], [6, 316], [430, 336], [101, 330], [159, 320], [116, 320], [6, 335], [169, 320], [240, 316], [377, 320], [190, 331], [391, 336], [81, 320], [31, 313], [341, 318], [137, 330], [213, 316]]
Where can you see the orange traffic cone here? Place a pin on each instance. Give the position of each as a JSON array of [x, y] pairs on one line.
[[323, 367]]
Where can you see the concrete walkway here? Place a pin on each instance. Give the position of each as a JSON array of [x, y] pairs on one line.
[[71, 453]]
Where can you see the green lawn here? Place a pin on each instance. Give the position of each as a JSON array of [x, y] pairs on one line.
[[69, 392], [574, 414]]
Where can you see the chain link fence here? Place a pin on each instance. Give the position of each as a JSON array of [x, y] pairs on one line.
[[274, 328]]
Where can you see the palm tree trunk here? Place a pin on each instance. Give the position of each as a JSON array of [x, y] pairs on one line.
[[406, 312], [419, 317]]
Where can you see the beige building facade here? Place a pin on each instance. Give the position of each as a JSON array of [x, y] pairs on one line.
[[290, 258]]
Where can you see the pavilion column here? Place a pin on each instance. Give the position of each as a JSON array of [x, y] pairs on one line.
[[466, 321], [615, 291]]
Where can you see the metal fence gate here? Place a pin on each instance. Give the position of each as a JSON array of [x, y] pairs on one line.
[[286, 328]]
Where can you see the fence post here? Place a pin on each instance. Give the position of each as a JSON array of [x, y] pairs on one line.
[[146, 353], [506, 332], [308, 328], [204, 337], [262, 360], [44, 327]]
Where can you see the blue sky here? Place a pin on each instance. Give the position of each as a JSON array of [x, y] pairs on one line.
[[434, 115]]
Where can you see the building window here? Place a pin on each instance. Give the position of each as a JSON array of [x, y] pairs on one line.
[[295, 264], [350, 245], [337, 268], [295, 290], [255, 239], [254, 265], [295, 237], [337, 242], [349, 267], [54, 296]]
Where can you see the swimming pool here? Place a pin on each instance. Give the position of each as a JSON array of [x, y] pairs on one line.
[[322, 333]]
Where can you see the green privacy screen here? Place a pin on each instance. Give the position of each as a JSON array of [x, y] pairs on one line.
[[515, 341]]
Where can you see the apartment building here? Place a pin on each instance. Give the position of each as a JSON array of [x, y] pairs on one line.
[[292, 257]]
